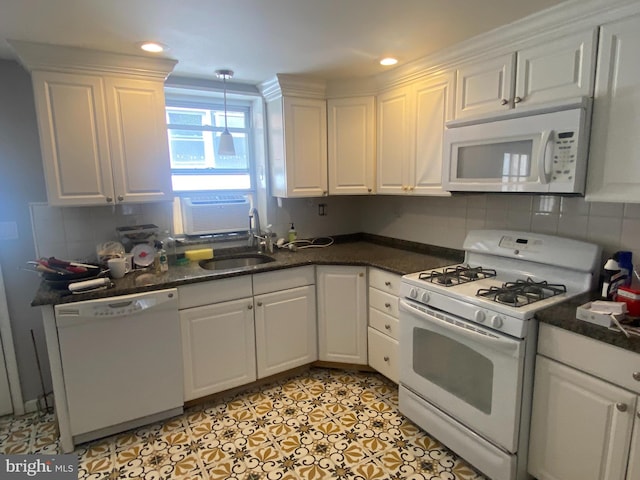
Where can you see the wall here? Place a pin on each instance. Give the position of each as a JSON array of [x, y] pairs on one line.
[[21, 182], [445, 221]]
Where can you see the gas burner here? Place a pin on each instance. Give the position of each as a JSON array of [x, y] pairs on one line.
[[521, 292], [460, 274]]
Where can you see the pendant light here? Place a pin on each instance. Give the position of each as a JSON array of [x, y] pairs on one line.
[[225, 147]]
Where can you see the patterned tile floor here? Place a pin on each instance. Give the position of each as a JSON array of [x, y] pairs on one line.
[[324, 424]]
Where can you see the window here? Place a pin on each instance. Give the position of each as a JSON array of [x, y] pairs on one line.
[[194, 133]]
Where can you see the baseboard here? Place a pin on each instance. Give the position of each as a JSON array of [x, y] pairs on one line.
[[38, 404]]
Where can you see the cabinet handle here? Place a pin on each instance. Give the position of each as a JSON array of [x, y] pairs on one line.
[[250, 307], [517, 100], [412, 188], [387, 326], [388, 284], [361, 274], [325, 193], [120, 198], [369, 190], [388, 305], [636, 376], [259, 304], [386, 358], [109, 199], [504, 101], [621, 406]]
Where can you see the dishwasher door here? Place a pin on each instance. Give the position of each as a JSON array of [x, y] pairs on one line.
[[121, 360]]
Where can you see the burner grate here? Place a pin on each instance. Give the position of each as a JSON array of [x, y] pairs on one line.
[[521, 292], [451, 276]]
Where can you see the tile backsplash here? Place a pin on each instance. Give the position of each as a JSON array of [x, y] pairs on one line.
[[74, 232]]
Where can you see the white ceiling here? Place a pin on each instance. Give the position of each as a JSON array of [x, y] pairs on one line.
[[258, 38]]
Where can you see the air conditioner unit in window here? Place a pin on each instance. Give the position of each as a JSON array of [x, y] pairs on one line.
[[216, 213]]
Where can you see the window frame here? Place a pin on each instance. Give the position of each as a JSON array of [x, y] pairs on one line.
[[216, 103]]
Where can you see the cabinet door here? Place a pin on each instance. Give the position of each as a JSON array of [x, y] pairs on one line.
[[580, 425], [351, 145], [613, 174], [563, 68], [393, 141], [305, 137], [485, 86], [139, 142], [633, 469], [342, 314], [73, 138], [285, 329], [218, 347], [433, 107]]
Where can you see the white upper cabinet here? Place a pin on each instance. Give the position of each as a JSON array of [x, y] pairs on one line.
[[351, 140], [102, 125], [410, 123], [614, 158], [297, 136], [554, 70]]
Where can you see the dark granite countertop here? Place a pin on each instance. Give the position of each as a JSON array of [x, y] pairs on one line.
[[563, 315], [365, 250]]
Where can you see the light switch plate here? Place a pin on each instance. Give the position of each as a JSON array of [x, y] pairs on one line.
[[8, 231]]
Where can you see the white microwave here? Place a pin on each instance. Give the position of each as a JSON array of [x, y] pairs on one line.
[[539, 150]]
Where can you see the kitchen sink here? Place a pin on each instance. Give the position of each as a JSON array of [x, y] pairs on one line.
[[228, 262]]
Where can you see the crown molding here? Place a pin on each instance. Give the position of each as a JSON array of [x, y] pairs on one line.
[[40, 56], [294, 86]]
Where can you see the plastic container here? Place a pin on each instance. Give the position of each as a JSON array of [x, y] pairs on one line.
[[630, 296], [626, 265]]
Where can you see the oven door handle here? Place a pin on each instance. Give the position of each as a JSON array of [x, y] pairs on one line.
[[503, 344]]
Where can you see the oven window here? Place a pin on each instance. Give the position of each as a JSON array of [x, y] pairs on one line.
[[509, 162], [454, 367]]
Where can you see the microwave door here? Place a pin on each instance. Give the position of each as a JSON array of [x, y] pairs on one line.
[[514, 164]]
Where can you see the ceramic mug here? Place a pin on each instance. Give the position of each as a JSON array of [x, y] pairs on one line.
[[118, 267]]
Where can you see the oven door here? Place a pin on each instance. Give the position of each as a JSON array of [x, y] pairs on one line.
[[472, 373]]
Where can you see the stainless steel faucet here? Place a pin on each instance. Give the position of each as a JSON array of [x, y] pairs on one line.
[[256, 239]]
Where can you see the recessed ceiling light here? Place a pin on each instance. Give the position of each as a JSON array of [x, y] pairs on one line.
[[387, 61], [153, 47]]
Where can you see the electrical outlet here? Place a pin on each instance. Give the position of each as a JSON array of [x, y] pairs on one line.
[[322, 209]]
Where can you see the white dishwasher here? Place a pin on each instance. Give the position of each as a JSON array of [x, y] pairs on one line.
[[121, 362]]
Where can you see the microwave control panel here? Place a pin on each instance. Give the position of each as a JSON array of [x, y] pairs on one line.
[[565, 152]]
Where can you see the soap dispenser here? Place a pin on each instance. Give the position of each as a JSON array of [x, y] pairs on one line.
[[293, 235]]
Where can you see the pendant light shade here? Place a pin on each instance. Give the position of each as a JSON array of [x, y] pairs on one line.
[[225, 147]]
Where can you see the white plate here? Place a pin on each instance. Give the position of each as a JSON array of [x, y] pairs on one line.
[[143, 254]]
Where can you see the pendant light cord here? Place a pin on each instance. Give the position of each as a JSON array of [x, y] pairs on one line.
[[224, 83]]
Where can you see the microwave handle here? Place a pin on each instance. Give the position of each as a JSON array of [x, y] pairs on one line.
[[544, 160]]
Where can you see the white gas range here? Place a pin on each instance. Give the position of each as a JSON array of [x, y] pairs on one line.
[[468, 340]]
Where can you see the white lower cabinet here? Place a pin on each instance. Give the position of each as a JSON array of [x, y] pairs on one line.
[[342, 314], [585, 422], [218, 347], [285, 316], [382, 337]]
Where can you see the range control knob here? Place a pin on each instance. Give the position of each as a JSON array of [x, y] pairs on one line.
[[480, 316], [413, 293], [425, 297], [496, 321]]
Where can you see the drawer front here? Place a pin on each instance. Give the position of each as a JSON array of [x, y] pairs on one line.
[[383, 301], [283, 279], [214, 291], [383, 355], [385, 281], [384, 323], [613, 364]]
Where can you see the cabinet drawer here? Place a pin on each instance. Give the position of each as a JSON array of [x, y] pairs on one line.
[[383, 354], [383, 301], [215, 291], [385, 281], [613, 364], [384, 323], [283, 279]]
